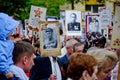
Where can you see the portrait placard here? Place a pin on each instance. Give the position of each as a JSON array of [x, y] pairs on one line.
[[49, 38], [37, 14], [105, 19], [115, 41], [84, 14], [92, 24], [73, 23]]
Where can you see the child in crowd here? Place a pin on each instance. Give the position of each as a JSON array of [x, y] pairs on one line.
[[7, 26]]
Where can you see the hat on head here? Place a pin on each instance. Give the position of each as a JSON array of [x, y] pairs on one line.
[[49, 30], [7, 25]]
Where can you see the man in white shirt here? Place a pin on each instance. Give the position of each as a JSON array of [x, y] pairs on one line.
[[23, 55]]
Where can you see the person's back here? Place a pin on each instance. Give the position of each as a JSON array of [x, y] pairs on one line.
[[7, 26]]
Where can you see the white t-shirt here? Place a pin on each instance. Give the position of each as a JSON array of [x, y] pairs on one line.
[[18, 72], [55, 68]]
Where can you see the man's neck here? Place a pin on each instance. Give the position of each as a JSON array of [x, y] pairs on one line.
[[19, 65]]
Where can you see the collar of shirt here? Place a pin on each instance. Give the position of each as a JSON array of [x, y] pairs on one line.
[[55, 68]]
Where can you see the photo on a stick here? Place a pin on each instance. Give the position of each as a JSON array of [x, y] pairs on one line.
[[49, 38], [73, 22]]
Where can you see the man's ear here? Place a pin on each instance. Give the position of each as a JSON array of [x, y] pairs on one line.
[[85, 75], [24, 60]]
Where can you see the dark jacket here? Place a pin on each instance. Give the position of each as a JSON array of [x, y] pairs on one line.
[[64, 64], [74, 26], [7, 26], [42, 69]]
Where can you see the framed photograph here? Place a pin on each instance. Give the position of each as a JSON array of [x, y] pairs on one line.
[[73, 23], [92, 24], [49, 38], [115, 40], [37, 14], [84, 14], [51, 18], [104, 19], [62, 15]]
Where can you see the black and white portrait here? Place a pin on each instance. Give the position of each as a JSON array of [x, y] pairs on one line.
[[50, 38], [73, 22], [92, 23]]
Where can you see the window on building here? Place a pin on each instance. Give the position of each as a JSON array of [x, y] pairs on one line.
[[92, 8]]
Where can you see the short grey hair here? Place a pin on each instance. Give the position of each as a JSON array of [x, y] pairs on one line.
[[71, 43], [102, 55]]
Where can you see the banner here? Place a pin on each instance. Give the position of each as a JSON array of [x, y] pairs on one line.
[[105, 19], [92, 24], [73, 23], [115, 42], [37, 14]]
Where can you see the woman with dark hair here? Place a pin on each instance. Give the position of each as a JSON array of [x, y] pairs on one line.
[[82, 67], [95, 39]]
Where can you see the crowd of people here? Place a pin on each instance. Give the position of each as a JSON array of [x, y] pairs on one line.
[[20, 60]]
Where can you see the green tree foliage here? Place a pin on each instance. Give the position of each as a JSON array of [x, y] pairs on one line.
[[51, 5], [75, 1], [16, 8], [21, 8]]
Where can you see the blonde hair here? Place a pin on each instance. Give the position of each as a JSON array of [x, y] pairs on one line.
[[103, 55]]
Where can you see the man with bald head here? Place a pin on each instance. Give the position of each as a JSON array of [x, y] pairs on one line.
[[69, 48]]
